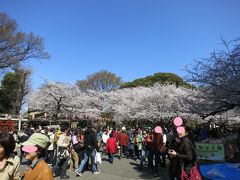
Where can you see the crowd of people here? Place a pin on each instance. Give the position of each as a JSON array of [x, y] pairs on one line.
[[51, 152]]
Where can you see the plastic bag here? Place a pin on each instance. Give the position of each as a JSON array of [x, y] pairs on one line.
[[215, 173], [98, 159]]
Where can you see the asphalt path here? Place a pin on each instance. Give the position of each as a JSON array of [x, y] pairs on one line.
[[124, 169]]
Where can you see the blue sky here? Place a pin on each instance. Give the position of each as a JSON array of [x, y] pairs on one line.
[[132, 38]]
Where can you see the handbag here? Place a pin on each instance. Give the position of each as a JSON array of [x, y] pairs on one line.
[[193, 175]]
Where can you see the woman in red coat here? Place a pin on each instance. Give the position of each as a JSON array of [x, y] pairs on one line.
[[111, 147]]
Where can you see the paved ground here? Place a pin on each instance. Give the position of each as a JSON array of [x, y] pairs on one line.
[[125, 169]]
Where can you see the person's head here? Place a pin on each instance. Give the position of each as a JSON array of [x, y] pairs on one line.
[[7, 144], [35, 147], [64, 129], [75, 132], [99, 128], [90, 127], [81, 132], [181, 131], [111, 134], [149, 131]]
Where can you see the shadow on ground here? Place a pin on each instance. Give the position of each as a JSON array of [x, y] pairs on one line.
[[147, 173]]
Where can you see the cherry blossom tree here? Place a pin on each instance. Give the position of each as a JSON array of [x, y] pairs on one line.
[[140, 103]]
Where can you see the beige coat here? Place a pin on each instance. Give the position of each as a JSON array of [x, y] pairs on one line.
[[12, 169]]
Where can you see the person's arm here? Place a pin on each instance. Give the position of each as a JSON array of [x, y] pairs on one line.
[[107, 146], [116, 146], [95, 142], [127, 138], [164, 139], [16, 166]]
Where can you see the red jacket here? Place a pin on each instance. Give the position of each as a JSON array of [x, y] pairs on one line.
[[116, 135], [123, 139], [111, 145]]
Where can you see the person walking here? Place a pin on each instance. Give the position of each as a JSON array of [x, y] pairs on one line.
[[123, 142], [75, 148], [158, 143], [111, 147], [138, 144], [144, 150], [151, 147], [51, 147], [22, 137], [63, 155], [90, 148]]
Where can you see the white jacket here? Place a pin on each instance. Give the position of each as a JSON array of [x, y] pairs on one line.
[[51, 140]]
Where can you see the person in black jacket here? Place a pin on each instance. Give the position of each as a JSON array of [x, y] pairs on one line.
[[185, 154], [174, 143], [22, 137], [90, 148]]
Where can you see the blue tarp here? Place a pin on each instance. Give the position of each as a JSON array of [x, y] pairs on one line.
[[224, 171]]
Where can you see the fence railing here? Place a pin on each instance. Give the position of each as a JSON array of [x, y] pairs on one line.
[[12, 117]]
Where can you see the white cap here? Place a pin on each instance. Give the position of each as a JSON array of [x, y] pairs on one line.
[[42, 131]]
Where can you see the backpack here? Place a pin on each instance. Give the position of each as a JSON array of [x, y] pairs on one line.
[[63, 141]]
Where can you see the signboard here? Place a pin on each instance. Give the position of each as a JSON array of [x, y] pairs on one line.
[[74, 125], [7, 125], [208, 151]]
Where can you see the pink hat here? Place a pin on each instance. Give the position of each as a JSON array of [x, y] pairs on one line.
[[29, 149], [158, 129], [181, 130]]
